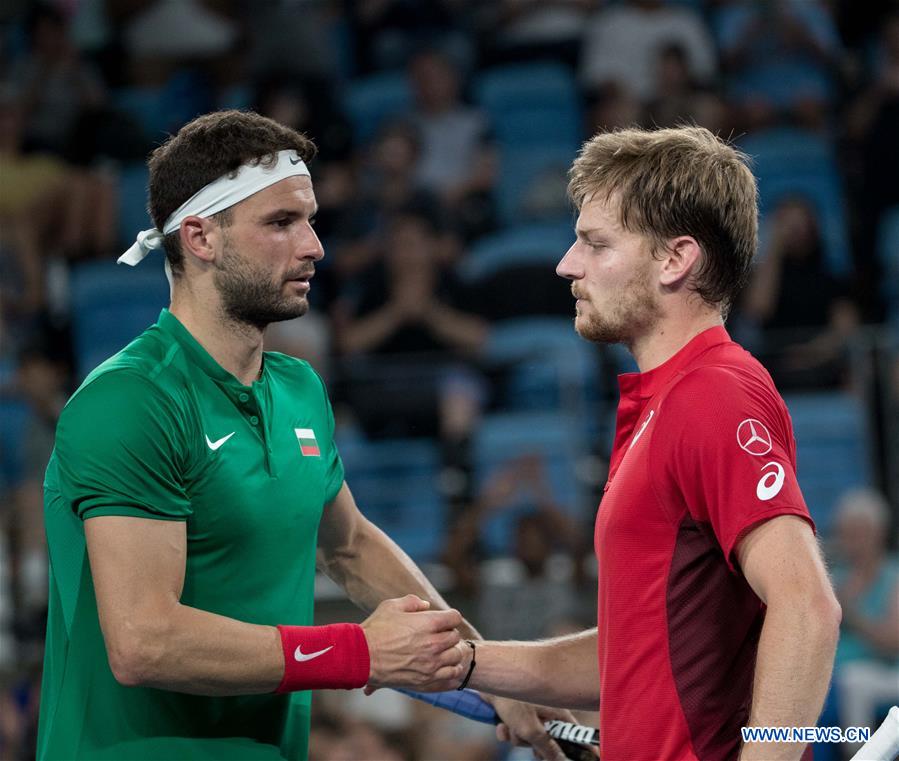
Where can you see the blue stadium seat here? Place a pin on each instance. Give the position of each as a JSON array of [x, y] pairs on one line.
[[395, 485], [793, 162], [532, 105], [374, 100], [535, 84], [14, 414], [549, 366], [558, 439], [525, 244], [832, 448], [522, 166], [111, 305]]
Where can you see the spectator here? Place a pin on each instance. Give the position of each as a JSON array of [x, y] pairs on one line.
[[872, 123], [802, 310], [386, 33], [407, 337], [779, 57], [307, 105], [623, 41], [457, 161], [678, 98], [530, 30], [521, 597], [866, 671], [54, 84], [47, 208], [42, 379]]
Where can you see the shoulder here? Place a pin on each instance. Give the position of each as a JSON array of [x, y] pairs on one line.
[[721, 395], [295, 374]]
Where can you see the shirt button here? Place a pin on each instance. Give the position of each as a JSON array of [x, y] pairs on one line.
[[254, 420], [243, 397]]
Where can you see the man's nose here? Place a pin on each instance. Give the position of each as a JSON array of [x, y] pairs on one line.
[[569, 265]]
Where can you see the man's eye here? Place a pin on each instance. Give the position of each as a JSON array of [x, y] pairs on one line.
[[281, 222]]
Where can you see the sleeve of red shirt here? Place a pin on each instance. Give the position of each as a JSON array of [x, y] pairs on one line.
[[727, 448]]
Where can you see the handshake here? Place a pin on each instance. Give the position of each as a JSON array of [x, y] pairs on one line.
[[414, 647]]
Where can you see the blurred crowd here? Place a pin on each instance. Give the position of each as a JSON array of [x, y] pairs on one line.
[[444, 130]]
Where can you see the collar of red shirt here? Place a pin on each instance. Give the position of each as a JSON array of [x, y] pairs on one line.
[[646, 385]]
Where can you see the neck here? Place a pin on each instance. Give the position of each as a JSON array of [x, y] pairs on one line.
[[236, 346], [667, 337]]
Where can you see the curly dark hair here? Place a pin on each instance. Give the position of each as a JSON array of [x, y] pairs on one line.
[[205, 149]]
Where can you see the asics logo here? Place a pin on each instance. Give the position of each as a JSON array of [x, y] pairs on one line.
[[213, 445], [300, 656], [771, 483], [753, 437]]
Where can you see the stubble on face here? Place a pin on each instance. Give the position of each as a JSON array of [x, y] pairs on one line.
[[625, 314], [251, 295]]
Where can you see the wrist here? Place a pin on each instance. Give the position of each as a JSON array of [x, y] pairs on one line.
[[472, 662], [332, 657]]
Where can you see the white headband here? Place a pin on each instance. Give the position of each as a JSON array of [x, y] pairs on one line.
[[217, 196]]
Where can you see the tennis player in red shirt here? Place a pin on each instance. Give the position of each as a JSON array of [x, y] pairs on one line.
[[715, 608]]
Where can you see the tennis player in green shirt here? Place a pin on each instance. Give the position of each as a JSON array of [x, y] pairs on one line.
[[195, 487]]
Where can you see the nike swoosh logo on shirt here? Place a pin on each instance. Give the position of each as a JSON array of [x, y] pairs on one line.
[[213, 445], [299, 655]]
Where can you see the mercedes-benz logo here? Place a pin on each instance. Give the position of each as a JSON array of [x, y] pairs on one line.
[[754, 437]]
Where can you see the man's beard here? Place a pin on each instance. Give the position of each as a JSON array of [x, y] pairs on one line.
[[249, 295], [632, 313]]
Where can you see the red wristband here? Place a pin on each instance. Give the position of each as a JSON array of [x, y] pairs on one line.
[[333, 657]]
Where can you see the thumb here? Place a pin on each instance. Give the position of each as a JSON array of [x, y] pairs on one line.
[[413, 604]]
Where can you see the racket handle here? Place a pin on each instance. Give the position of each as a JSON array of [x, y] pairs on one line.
[[467, 703], [884, 743]]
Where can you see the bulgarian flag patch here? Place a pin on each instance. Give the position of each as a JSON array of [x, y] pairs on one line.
[[308, 444]]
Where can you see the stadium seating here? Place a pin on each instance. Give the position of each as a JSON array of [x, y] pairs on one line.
[[522, 166], [395, 484], [373, 100], [522, 245], [111, 305], [833, 449], [548, 365], [532, 105], [558, 439], [792, 162], [14, 415]]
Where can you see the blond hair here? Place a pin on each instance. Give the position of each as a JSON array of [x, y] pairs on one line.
[[679, 181]]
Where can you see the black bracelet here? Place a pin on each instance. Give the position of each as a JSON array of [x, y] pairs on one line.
[[470, 666]]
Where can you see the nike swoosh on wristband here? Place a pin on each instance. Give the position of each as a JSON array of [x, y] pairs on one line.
[[300, 656], [213, 445]]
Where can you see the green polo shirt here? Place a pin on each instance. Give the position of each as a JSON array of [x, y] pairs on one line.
[[162, 431]]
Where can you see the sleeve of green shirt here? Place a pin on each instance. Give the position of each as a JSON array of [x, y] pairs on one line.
[[334, 474], [121, 451]]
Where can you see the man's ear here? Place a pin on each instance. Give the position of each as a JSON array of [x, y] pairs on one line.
[[200, 238], [681, 257]]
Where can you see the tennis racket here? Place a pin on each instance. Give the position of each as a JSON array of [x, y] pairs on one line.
[[575, 740], [884, 743]]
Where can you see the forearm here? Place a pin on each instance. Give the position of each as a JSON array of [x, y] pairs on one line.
[[368, 332], [464, 331], [562, 672], [189, 650], [367, 582], [792, 673]]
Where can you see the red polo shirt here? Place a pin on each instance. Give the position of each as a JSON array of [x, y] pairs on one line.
[[703, 452]]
